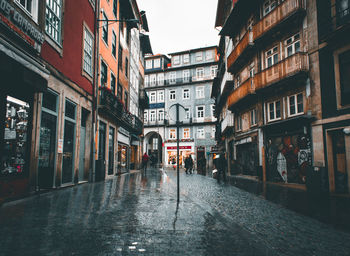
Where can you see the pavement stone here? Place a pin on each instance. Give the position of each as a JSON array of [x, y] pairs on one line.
[[137, 214]]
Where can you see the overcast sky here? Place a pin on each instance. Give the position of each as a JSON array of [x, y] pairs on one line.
[[177, 25]]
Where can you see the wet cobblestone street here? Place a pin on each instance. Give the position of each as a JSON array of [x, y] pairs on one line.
[[137, 214]]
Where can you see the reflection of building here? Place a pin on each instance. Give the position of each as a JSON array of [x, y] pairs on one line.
[[185, 78], [282, 90]]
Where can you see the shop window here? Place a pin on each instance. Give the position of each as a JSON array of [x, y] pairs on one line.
[[153, 97], [200, 133], [14, 148], [186, 76], [295, 104], [292, 45], [172, 95], [186, 133], [200, 111], [253, 120], [271, 57], [274, 110], [186, 58], [105, 28], [200, 92], [344, 72], [186, 94], [172, 134], [88, 52], [53, 19], [269, 6]]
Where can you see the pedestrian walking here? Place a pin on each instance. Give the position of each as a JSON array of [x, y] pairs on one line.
[[189, 165], [145, 159], [220, 165]]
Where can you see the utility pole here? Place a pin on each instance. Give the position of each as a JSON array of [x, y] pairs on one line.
[[178, 146]]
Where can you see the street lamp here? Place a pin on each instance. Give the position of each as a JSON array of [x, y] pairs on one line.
[[177, 105]]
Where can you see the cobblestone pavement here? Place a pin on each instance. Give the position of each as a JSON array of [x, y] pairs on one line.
[[137, 214]]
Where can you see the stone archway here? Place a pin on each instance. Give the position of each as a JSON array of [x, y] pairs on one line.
[[153, 146]]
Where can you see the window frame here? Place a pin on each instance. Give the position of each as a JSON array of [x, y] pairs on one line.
[[186, 131], [172, 93], [253, 118], [271, 55], [57, 40], [186, 94], [199, 56], [292, 44], [156, 63], [200, 94], [200, 133], [270, 6], [148, 64], [87, 31], [172, 77], [186, 75], [274, 111], [160, 115], [152, 116], [197, 111], [296, 104], [160, 96], [172, 133], [160, 79], [153, 94], [104, 27], [186, 58], [200, 73], [176, 60]]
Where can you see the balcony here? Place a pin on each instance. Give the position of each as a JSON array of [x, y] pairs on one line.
[[289, 10], [242, 92], [280, 72], [240, 53], [227, 122]]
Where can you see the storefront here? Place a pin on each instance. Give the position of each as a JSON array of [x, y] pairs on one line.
[[185, 149], [123, 151], [247, 156]]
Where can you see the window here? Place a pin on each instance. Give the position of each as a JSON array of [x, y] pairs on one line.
[[161, 79], [274, 110], [209, 55], [200, 133], [271, 57], [172, 134], [120, 56], [188, 113], [269, 5], [114, 44], [342, 11], [156, 63], [292, 45], [103, 73], [200, 92], [212, 110], [113, 83], [172, 95], [253, 117], [148, 64], [176, 60], [239, 122], [126, 100], [186, 94], [213, 130], [186, 76], [295, 104], [88, 53], [152, 97], [238, 81], [199, 56], [126, 67], [160, 96], [153, 79], [31, 7], [200, 111], [53, 19], [172, 77], [146, 81], [145, 116], [160, 115], [344, 73], [186, 58], [186, 133], [152, 116], [199, 72], [120, 91], [105, 28], [213, 71]]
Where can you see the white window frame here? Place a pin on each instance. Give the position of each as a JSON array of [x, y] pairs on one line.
[[33, 12], [152, 97], [269, 6], [146, 81], [160, 96], [152, 116], [145, 116], [188, 113], [200, 92], [156, 63], [199, 73], [295, 104], [176, 60], [291, 43], [199, 56], [270, 54], [172, 133], [172, 95], [200, 114], [186, 75], [160, 115], [212, 109], [160, 78], [172, 78], [200, 133], [253, 119], [88, 52], [186, 133], [213, 71], [153, 80], [148, 64], [186, 93], [186, 58], [209, 55], [213, 130], [56, 23], [274, 111]]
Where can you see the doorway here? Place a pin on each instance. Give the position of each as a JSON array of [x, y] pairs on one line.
[[339, 162]]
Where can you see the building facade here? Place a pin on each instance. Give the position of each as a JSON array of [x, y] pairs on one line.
[[186, 78], [280, 97]]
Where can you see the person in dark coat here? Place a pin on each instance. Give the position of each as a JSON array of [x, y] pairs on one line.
[[145, 159], [189, 164], [220, 164]]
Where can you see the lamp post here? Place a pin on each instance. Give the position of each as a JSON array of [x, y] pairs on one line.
[[178, 122]]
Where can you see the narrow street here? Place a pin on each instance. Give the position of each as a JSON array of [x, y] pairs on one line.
[[137, 214]]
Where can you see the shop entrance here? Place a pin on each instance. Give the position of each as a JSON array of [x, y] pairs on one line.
[[341, 172], [122, 158]]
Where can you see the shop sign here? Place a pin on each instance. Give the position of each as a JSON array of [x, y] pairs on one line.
[[11, 18], [181, 147]]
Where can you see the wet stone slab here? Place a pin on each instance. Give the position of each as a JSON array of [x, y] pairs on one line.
[[138, 215]]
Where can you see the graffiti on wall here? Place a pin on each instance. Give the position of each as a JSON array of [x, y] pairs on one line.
[[288, 158]]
